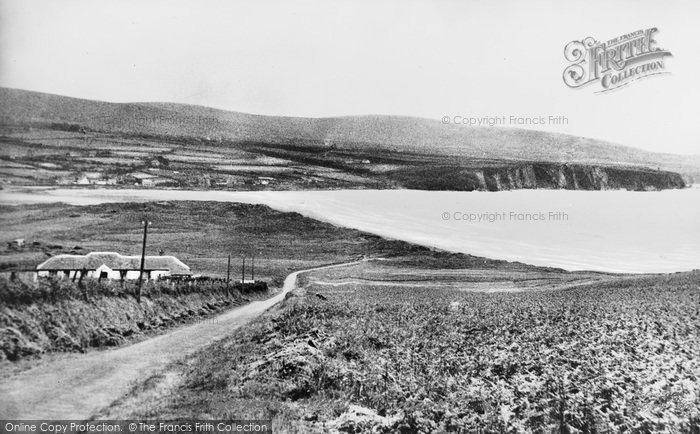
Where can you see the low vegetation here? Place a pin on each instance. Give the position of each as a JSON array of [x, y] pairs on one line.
[[621, 355], [369, 349]]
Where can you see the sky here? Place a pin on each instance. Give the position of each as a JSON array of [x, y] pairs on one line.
[[329, 58]]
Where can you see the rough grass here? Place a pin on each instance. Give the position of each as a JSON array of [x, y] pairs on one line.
[[619, 356]]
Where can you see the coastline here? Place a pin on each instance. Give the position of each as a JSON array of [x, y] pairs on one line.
[[597, 235]]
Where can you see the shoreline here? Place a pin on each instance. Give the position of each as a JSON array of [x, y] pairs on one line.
[[583, 243]]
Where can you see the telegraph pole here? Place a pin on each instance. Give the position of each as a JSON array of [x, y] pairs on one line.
[[228, 272], [243, 274], [252, 277], [145, 223]]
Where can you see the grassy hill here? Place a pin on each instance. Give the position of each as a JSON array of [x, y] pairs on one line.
[[393, 139]]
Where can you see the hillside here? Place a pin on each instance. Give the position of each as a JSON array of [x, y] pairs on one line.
[[392, 146]]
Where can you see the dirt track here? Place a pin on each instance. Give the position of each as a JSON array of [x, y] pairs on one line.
[[78, 386]]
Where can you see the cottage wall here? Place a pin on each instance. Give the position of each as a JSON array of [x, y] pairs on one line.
[[111, 274], [132, 275], [155, 274], [71, 266]]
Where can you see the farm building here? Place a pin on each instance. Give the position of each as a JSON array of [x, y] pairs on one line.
[[158, 181], [111, 265], [16, 244]]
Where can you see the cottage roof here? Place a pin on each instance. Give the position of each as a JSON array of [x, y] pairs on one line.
[[115, 261]]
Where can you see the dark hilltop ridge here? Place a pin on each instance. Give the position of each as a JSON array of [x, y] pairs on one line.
[[55, 139]]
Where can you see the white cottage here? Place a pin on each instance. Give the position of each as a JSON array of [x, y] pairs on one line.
[[111, 265]]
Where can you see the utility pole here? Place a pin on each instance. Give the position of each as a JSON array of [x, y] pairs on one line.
[[243, 274], [145, 223], [252, 277], [228, 272]]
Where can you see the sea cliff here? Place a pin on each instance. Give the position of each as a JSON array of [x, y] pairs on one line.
[[539, 175]]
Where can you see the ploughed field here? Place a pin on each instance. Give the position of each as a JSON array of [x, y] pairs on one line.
[[379, 347]]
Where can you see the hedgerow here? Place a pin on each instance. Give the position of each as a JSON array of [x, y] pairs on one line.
[[54, 289]]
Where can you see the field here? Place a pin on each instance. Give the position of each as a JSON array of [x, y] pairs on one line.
[[201, 234], [66, 154], [50, 139], [339, 151], [393, 353], [61, 155]]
